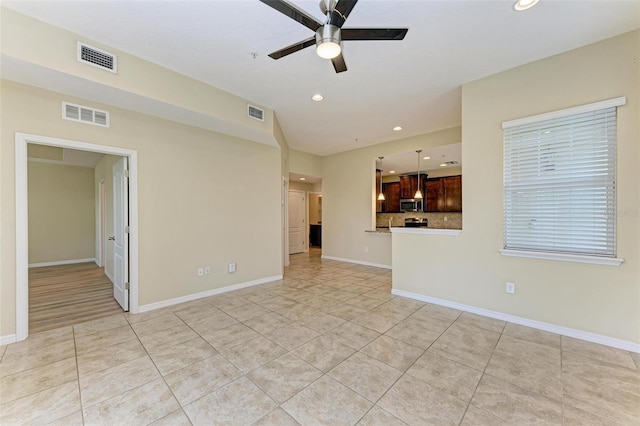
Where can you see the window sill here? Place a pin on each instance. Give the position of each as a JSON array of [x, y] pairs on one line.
[[611, 261]]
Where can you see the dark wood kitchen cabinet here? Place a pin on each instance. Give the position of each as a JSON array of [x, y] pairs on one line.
[[391, 203], [434, 200], [443, 194], [409, 185]]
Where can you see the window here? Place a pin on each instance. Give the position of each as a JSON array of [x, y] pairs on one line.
[[559, 183]]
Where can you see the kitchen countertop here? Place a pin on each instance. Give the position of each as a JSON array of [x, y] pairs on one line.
[[413, 230]]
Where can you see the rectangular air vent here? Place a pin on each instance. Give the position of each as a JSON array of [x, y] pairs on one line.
[[256, 113], [97, 57], [84, 114]]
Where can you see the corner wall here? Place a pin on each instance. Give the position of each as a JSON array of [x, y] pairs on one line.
[[468, 269]]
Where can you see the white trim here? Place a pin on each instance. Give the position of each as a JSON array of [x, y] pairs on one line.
[[426, 231], [215, 291], [22, 231], [563, 257], [545, 326], [22, 239], [63, 262], [8, 339], [358, 262], [615, 102], [108, 275]]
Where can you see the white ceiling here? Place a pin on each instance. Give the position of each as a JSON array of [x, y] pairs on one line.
[[414, 83], [407, 162]]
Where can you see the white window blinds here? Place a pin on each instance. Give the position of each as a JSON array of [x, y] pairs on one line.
[[559, 182]]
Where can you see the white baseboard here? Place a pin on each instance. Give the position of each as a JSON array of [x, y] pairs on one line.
[[215, 291], [62, 262], [359, 262], [552, 328], [8, 339]]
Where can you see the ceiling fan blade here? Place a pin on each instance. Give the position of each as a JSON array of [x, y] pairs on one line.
[[293, 48], [373, 33], [294, 13], [340, 13], [345, 7], [338, 63]]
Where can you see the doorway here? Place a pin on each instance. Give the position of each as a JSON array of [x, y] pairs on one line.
[[22, 222], [297, 223]]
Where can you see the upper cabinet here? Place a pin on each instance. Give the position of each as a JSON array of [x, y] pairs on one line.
[[409, 185], [391, 203], [443, 194]]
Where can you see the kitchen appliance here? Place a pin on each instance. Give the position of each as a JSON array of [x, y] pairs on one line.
[[416, 222], [410, 205]]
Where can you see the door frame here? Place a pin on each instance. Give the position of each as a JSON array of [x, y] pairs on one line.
[[22, 219], [309, 193], [285, 223], [101, 226]]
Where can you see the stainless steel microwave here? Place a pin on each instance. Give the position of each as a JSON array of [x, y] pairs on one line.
[[410, 205]]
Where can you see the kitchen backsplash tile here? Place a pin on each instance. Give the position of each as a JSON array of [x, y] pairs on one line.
[[436, 220]]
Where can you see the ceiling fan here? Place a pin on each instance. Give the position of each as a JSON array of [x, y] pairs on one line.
[[330, 34]]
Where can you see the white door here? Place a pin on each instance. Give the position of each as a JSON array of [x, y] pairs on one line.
[[297, 228], [120, 233]]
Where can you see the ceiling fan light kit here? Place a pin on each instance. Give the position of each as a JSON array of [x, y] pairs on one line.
[[328, 42], [521, 5], [330, 34]]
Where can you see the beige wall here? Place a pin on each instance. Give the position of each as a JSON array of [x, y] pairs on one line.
[[348, 197], [305, 186], [198, 190], [61, 213], [469, 269], [305, 163]]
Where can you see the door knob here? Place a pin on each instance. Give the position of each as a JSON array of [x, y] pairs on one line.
[[112, 238]]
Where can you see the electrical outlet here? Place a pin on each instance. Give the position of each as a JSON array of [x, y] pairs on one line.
[[232, 267], [200, 272], [207, 270], [366, 249], [511, 288], [446, 218]]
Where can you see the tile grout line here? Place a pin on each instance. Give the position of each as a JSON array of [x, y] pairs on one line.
[[483, 373]]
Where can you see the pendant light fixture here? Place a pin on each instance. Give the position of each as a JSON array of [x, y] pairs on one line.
[[418, 195], [381, 194]]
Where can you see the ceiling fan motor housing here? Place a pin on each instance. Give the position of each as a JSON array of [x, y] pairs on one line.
[[327, 6]]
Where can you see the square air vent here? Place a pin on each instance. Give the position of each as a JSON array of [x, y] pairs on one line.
[[255, 113], [84, 114], [97, 57]]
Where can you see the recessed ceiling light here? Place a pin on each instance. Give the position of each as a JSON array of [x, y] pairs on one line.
[[443, 165], [306, 178], [426, 158], [392, 171], [521, 5], [317, 97], [397, 128]]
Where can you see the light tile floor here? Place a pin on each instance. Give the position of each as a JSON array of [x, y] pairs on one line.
[[327, 345]]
